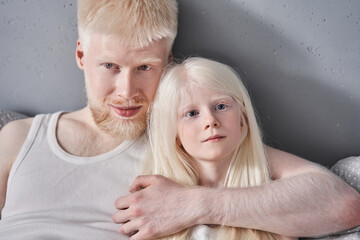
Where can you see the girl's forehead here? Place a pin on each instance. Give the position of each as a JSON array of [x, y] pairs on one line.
[[192, 92]]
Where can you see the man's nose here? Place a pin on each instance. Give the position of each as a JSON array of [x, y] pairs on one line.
[[211, 121], [126, 85]]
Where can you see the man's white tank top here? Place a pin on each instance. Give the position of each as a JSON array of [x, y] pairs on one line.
[[52, 194]]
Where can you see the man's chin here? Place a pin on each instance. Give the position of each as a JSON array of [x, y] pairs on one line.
[[125, 129], [120, 127], [128, 130]]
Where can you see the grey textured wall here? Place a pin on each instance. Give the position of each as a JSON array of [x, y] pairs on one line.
[[300, 60], [38, 72]]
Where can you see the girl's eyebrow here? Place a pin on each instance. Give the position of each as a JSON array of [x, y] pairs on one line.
[[186, 106], [182, 109], [221, 96]]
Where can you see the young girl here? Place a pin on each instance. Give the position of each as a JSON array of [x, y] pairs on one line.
[[203, 131]]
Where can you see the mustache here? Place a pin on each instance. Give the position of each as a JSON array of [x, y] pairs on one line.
[[126, 103]]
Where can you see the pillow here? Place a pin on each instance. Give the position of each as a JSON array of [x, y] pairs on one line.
[[353, 234], [349, 170], [8, 116]]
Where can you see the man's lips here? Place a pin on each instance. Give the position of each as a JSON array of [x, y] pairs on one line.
[[214, 138], [126, 112]]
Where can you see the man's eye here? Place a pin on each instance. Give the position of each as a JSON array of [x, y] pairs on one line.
[[192, 113], [109, 65], [221, 106], [144, 68]]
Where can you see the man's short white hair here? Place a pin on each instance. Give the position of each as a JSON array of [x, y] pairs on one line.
[[137, 22]]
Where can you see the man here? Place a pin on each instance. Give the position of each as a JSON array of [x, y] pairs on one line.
[[60, 173]]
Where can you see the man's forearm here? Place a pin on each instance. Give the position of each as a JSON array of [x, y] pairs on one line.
[[304, 205], [307, 204]]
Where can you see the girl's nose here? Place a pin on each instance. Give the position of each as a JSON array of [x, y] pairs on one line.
[[211, 122]]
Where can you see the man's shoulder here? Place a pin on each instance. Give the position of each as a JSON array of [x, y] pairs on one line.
[[12, 137], [16, 130], [283, 164]]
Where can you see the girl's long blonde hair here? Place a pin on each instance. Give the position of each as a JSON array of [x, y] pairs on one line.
[[248, 166]]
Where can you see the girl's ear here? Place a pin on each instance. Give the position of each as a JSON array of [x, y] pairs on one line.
[[178, 142], [244, 126], [170, 58], [244, 120]]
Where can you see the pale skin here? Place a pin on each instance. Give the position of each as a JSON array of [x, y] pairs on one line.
[[164, 207], [209, 130]]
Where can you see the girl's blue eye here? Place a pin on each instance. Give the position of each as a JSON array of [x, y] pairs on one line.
[[220, 106], [192, 113]]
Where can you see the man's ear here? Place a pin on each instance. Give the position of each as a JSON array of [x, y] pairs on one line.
[[79, 55]]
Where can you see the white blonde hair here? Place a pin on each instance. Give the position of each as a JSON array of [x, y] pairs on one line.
[[248, 166], [138, 22]]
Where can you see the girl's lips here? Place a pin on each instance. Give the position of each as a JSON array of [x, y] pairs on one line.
[[214, 138], [126, 112]]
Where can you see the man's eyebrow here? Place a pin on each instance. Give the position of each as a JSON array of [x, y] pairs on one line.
[[150, 60], [144, 61], [105, 59]]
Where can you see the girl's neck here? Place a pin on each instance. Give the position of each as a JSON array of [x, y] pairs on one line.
[[212, 173]]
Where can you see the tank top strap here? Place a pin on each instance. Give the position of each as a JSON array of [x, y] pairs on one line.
[[38, 125]]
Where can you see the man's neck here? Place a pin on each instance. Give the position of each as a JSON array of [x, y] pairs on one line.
[[78, 134]]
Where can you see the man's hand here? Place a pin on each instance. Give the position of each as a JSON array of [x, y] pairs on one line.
[[156, 207]]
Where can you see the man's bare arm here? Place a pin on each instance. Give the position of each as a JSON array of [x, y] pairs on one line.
[[305, 199], [12, 137]]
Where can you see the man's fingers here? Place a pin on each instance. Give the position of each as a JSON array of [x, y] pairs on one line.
[[122, 202], [143, 181], [130, 228], [120, 217], [144, 233], [137, 236]]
